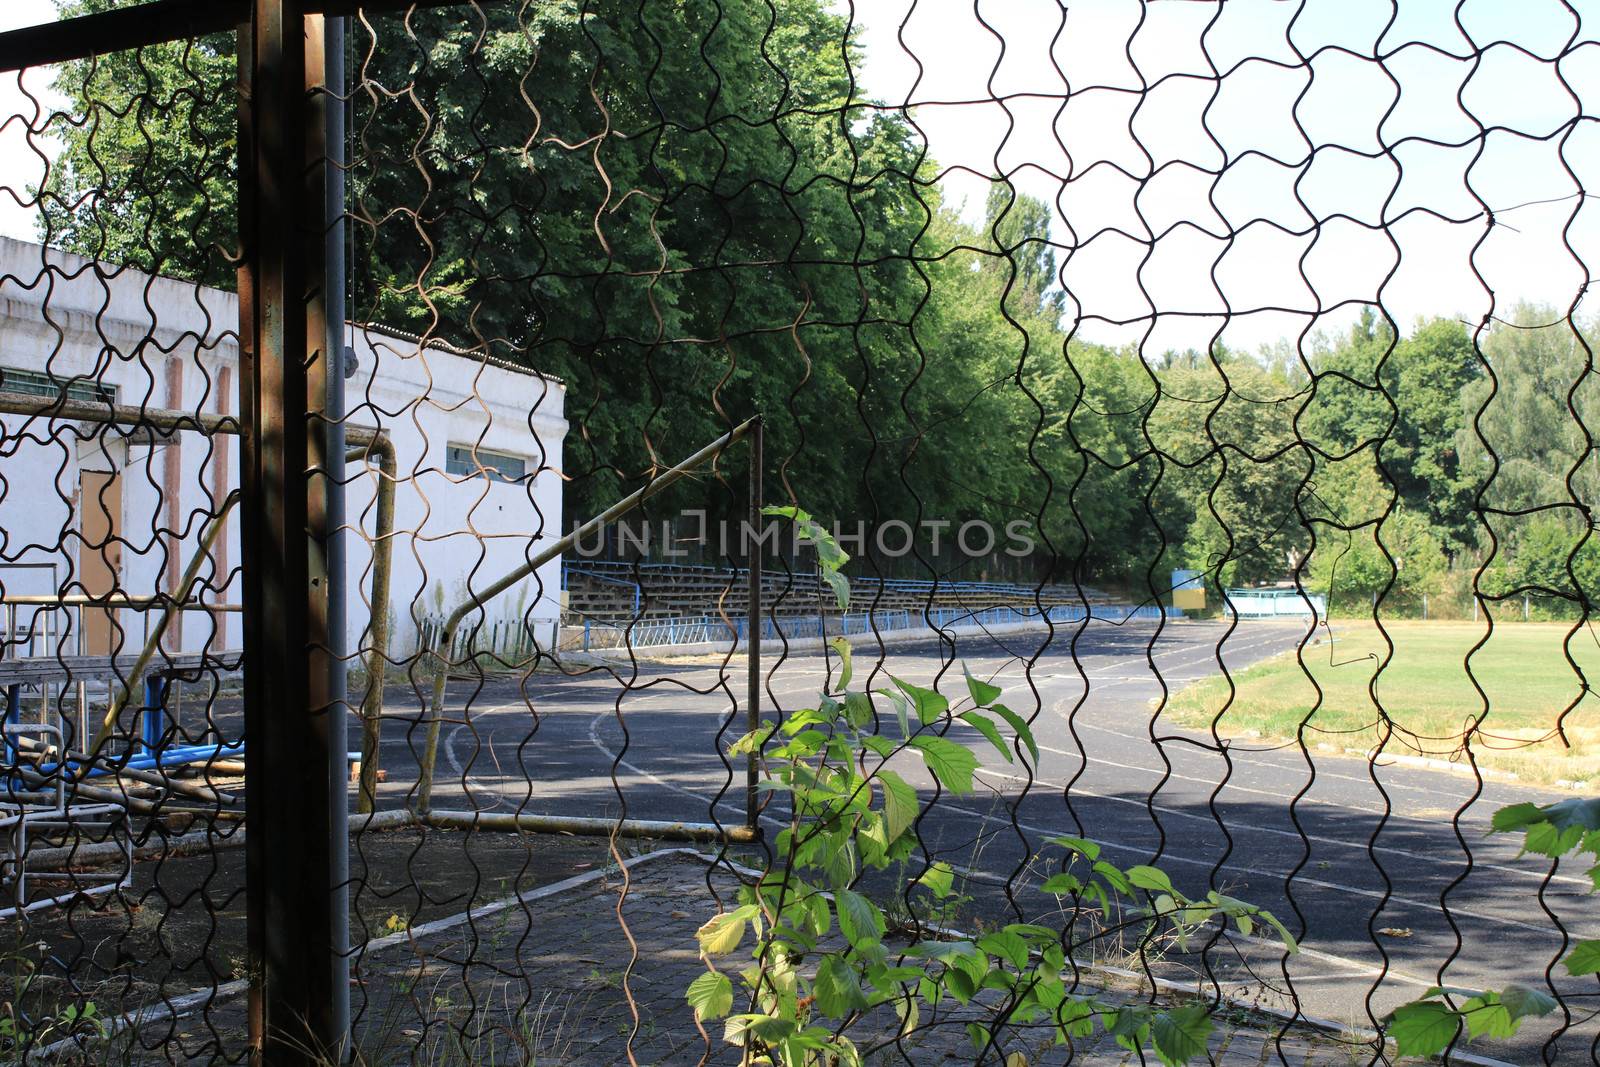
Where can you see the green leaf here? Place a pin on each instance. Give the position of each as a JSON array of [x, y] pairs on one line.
[[881, 745], [769, 1029], [722, 933], [1515, 816], [938, 878], [872, 837], [1075, 1018], [1035, 932], [752, 741], [1020, 726], [1584, 958], [840, 586], [1576, 812], [1423, 1027], [1289, 943], [841, 647], [1114, 877], [1008, 946], [830, 557], [983, 693], [839, 859], [1061, 885], [859, 918], [1548, 839], [1485, 1014], [1180, 1035], [1551, 830], [930, 705], [900, 807], [711, 996], [1080, 845], [986, 727], [1126, 1023], [1151, 878], [1453, 990], [960, 983], [900, 712], [858, 711], [906, 1008], [837, 990], [950, 763], [1522, 1001]]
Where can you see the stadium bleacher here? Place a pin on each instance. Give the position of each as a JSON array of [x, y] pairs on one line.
[[613, 592]]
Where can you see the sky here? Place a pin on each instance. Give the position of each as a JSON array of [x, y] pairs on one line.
[[1203, 169]]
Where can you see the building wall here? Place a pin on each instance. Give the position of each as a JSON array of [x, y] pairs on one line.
[[170, 344]]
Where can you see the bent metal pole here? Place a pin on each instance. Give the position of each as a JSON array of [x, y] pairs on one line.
[[447, 634]]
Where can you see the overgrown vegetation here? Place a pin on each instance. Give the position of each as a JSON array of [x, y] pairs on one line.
[[828, 981]]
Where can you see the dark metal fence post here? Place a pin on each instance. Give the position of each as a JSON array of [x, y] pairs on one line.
[[283, 387], [752, 646], [332, 107]]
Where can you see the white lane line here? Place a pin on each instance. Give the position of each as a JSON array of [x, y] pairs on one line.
[[1278, 877], [980, 874], [1144, 853], [1132, 802], [1237, 831], [594, 739], [1241, 758]]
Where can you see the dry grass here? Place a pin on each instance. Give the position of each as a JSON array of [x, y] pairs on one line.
[[1427, 694]]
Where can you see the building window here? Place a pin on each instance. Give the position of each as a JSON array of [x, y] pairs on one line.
[[464, 460], [36, 383]]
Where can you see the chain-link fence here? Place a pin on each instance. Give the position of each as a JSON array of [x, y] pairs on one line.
[[795, 532]]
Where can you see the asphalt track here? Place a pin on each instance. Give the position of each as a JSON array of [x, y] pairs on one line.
[[1385, 868]]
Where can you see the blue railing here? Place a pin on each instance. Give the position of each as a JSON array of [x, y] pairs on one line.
[[622, 573], [1276, 603], [647, 633]]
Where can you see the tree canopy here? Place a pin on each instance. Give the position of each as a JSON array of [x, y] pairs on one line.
[[691, 213]]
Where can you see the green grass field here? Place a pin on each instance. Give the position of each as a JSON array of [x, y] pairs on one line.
[[1427, 693]]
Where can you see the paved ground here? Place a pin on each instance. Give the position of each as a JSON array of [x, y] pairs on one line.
[[1388, 891], [1391, 890], [600, 994], [537, 978]]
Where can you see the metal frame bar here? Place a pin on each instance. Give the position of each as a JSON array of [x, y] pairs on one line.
[[158, 22], [289, 864], [447, 632], [368, 443], [377, 664], [752, 813]]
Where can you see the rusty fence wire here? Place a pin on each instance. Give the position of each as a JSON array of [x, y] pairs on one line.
[[402, 657]]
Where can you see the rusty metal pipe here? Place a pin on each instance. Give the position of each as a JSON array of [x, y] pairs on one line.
[[752, 648], [381, 448], [202, 553], [447, 633], [587, 826], [111, 600], [167, 782]]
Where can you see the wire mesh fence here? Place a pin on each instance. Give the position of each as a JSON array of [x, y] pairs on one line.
[[1171, 421]]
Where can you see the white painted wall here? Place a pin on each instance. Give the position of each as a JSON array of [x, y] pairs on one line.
[[69, 316]]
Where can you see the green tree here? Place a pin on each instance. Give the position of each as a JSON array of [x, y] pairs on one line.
[[1229, 428], [147, 173]]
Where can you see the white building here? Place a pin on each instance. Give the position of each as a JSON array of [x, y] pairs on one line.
[[478, 445]]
